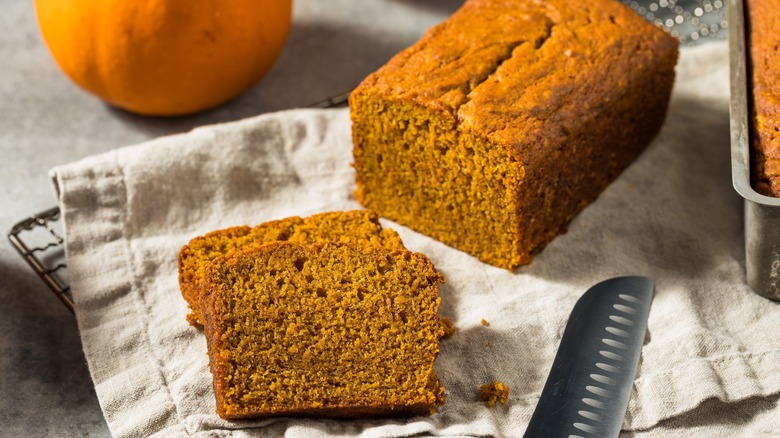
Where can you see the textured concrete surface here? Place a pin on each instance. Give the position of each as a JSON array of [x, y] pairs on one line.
[[45, 120]]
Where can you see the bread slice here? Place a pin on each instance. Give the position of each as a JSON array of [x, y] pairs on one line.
[[325, 329], [361, 227]]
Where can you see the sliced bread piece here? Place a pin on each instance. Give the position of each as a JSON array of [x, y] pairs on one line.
[[361, 227], [324, 329]]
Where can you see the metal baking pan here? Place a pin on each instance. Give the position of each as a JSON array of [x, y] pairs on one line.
[[762, 213]]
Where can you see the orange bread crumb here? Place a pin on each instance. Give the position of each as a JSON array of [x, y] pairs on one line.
[[324, 329], [448, 327], [494, 392], [496, 128], [485, 323], [360, 227]]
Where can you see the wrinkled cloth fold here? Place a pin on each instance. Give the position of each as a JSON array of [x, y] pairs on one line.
[[712, 351]]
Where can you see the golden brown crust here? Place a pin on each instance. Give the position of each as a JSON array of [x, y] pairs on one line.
[[359, 226], [324, 329], [504, 121], [763, 43]]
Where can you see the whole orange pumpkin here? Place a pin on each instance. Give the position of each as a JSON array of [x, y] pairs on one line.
[[165, 57]]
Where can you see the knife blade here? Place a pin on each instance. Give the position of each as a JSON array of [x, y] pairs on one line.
[[586, 393]]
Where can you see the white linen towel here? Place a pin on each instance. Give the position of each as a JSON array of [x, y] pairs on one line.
[[672, 215]]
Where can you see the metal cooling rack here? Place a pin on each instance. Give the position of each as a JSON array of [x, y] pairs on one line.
[[41, 244], [692, 21], [38, 239]]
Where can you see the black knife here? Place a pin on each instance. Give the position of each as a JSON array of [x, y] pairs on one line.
[[587, 390]]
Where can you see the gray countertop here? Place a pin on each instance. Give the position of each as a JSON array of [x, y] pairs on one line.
[[45, 120]]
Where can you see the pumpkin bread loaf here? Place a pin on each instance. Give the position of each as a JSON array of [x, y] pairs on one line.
[[501, 123], [764, 15], [360, 227], [324, 329]]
